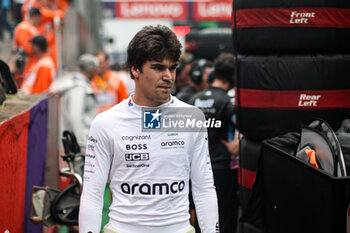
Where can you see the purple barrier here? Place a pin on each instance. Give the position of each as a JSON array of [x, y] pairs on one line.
[[36, 158]]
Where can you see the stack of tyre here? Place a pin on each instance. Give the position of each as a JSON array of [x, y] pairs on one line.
[[293, 64]]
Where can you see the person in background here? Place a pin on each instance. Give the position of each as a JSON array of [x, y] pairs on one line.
[[124, 74], [183, 72], [199, 77], [199, 80], [63, 4], [16, 62], [4, 22], [49, 11], [77, 102], [43, 72], [150, 183], [47, 26], [107, 86], [16, 10], [52, 8], [216, 104], [26, 6], [23, 33]]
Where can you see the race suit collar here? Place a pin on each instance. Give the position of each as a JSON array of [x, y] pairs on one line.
[[131, 103]]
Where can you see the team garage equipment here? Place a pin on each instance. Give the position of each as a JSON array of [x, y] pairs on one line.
[[276, 94], [293, 64], [287, 26]]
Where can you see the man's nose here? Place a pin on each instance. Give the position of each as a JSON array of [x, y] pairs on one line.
[[167, 74]]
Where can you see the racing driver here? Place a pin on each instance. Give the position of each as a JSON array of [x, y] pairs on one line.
[[149, 172]]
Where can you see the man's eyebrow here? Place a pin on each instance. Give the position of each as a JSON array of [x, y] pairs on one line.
[[158, 65], [162, 66], [174, 66]]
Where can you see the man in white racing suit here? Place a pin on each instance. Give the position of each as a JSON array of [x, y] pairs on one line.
[[149, 172]]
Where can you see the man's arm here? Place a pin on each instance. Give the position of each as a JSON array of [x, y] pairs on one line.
[[203, 189], [98, 160], [233, 146]]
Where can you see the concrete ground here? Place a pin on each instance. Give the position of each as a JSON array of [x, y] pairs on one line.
[[5, 49]]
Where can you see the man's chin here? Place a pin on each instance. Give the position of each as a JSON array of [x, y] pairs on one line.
[[164, 97]]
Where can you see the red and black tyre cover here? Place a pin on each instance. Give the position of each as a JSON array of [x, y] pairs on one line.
[[277, 94], [291, 26], [248, 166]]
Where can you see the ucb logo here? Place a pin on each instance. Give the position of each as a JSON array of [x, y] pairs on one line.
[[136, 147], [137, 157], [153, 189]]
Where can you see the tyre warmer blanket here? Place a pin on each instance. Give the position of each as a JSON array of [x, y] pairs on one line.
[[289, 26], [276, 94]]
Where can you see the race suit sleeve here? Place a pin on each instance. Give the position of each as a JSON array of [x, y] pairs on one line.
[[97, 165], [203, 189]]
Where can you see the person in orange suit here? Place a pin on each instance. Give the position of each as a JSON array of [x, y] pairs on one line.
[[59, 4], [27, 5], [23, 33], [63, 4], [43, 72], [53, 7], [47, 28], [49, 10], [107, 86]]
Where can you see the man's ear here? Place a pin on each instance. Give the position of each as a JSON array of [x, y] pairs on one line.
[[135, 72]]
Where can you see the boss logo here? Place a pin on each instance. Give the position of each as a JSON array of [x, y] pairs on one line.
[[137, 157], [136, 147]]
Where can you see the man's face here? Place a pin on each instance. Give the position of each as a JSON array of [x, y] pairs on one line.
[[154, 83], [36, 19], [184, 76], [103, 64], [91, 73], [205, 76], [35, 49]]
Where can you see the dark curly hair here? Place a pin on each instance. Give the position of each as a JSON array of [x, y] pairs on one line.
[[153, 43], [224, 66]]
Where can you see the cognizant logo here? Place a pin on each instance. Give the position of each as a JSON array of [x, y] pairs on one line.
[[153, 189], [137, 137]]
